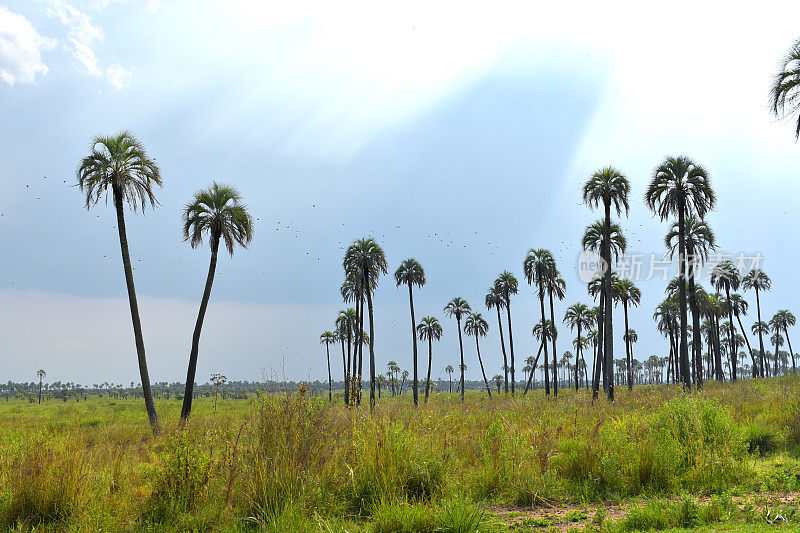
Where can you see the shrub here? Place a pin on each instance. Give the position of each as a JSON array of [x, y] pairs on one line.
[[760, 439]]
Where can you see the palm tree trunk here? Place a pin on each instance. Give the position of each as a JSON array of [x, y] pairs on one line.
[[330, 376], [503, 348], [791, 353], [40, 390], [344, 371], [579, 356], [684, 342], [697, 351], [628, 356], [599, 359], [510, 341], [553, 341], [731, 332], [608, 329], [350, 365], [533, 371], [760, 336], [430, 362], [485, 381], [720, 376], [147, 393], [544, 342], [414, 342], [188, 393], [360, 347], [461, 349], [371, 345]]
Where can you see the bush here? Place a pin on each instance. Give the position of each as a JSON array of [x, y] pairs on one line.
[[760, 439]]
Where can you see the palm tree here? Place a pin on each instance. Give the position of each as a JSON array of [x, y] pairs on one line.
[[449, 369], [431, 330], [498, 380], [739, 306], [777, 341], [506, 285], [555, 285], [630, 295], [495, 300], [538, 268], [759, 281], [458, 307], [680, 187], [218, 213], [411, 273], [761, 328], [608, 187], [476, 326], [544, 332], [785, 319], [121, 164], [785, 92], [366, 258], [394, 369], [345, 326], [593, 238], [40, 374], [327, 338], [578, 317], [725, 276], [580, 344]]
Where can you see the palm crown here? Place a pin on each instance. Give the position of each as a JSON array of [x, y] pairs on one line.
[[218, 212], [593, 238], [410, 272], [539, 267], [785, 93], [700, 239], [476, 325], [457, 307], [724, 275], [429, 328], [680, 183], [607, 187], [756, 279]]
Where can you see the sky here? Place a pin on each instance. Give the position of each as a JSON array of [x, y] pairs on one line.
[[455, 133]]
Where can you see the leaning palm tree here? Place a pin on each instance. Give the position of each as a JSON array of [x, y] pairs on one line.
[[726, 276], [506, 285], [785, 319], [610, 188], [366, 259], [431, 330], [328, 338], [40, 374], [680, 187], [449, 369], [630, 295], [758, 280], [120, 163], [578, 317], [476, 326], [538, 268], [785, 92], [457, 308], [495, 300], [411, 273], [219, 214]]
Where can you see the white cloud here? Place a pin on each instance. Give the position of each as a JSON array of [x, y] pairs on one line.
[[81, 35], [21, 49]]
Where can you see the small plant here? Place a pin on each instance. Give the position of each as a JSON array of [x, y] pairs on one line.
[[760, 439]]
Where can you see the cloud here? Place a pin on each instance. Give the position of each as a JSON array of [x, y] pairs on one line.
[[81, 35], [21, 49]]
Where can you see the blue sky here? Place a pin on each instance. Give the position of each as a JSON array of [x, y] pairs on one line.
[[456, 135]]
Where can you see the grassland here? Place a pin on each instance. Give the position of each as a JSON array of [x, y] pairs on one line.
[[722, 459]]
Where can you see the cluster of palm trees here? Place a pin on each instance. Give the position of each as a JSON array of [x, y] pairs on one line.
[[119, 165]]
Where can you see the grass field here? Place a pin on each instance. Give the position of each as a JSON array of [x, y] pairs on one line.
[[722, 459]]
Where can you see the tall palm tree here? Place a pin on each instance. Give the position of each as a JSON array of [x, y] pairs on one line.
[[449, 369], [367, 258], [345, 326], [610, 188], [458, 307], [495, 300], [630, 295], [328, 338], [219, 214], [476, 326], [578, 317], [558, 287], [700, 240], [726, 276], [411, 273], [785, 92], [40, 374], [785, 319], [758, 280], [680, 187], [431, 330], [120, 163], [538, 268], [506, 285]]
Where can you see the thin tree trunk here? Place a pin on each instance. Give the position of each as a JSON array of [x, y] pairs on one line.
[[344, 370], [503, 348], [461, 349], [717, 350], [350, 363], [553, 341], [360, 347], [544, 341], [190, 373], [731, 333], [579, 356], [599, 358], [628, 355], [485, 381], [760, 336], [147, 393], [330, 376], [430, 362], [533, 371], [684, 346], [510, 341], [791, 353], [414, 342], [371, 345], [608, 329]]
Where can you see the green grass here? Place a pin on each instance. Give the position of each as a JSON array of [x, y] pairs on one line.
[[291, 463]]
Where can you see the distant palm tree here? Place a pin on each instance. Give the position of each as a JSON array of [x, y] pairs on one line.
[[759, 281], [431, 330], [218, 213], [327, 338], [411, 273], [449, 369], [458, 307], [578, 317], [543, 334], [785, 92], [784, 318], [346, 324], [120, 163], [777, 341], [610, 188], [367, 259], [539, 267], [680, 187], [628, 293], [495, 300], [498, 380], [506, 285], [580, 344], [40, 374], [761, 328], [726, 276], [476, 326], [394, 369]]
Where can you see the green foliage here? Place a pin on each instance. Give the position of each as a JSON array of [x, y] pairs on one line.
[[760, 439]]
